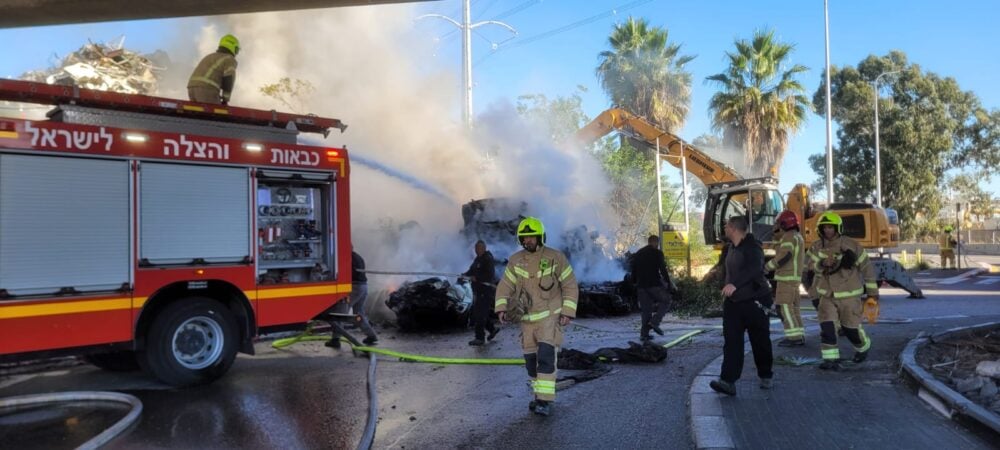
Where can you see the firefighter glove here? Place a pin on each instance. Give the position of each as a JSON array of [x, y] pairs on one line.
[[848, 259]]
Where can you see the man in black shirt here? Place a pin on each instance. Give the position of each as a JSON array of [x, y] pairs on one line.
[[482, 272], [747, 295], [652, 280]]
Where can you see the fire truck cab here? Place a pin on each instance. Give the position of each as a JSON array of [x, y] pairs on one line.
[[164, 234]]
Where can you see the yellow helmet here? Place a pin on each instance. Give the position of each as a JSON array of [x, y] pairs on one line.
[[531, 226], [229, 42], [830, 218]]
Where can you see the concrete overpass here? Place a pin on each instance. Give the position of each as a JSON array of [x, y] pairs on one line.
[[29, 13]]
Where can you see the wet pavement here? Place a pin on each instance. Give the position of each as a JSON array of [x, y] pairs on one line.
[[309, 396]]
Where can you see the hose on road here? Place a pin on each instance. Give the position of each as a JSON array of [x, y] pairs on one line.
[[84, 396]]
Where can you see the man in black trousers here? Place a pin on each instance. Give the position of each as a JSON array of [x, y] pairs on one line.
[[747, 297], [482, 272], [653, 285]]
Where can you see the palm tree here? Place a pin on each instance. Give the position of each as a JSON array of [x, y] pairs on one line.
[[760, 102], [645, 75]]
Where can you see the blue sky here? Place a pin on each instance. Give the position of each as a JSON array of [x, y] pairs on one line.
[[946, 40]]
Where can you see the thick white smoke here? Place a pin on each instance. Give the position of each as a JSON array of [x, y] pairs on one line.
[[420, 165]]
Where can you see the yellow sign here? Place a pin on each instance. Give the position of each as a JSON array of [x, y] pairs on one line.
[[675, 244]]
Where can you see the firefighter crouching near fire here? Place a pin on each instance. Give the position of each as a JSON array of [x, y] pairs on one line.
[[946, 248], [787, 265], [538, 290], [840, 264], [213, 79]]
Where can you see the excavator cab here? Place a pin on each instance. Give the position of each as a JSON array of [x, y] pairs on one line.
[[758, 198]]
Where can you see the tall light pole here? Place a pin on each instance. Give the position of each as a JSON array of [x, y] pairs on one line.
[[829, 110], [466, 28], [878, 161]]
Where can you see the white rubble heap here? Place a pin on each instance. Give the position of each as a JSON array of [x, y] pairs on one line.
[[106, 67]]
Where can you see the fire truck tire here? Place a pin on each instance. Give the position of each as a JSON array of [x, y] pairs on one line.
[[120, 361], [191, 341]]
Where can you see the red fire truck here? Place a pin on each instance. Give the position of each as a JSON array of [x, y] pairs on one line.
[[164, 234]]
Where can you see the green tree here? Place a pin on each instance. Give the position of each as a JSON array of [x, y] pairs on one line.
[[562, 116], [645, 74], [760, 103], [927, 126], [295, 94]]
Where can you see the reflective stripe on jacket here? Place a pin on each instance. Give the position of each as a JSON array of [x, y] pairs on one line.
[[544, 276], [212, 70], [836, 281], [790, 258]]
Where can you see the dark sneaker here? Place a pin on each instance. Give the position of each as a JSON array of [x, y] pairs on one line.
[[333, 343], [532, 405], [493, 334], [791, 342], [766, 383], [656, 329], [830, 364], [476, 342], [860, 357], [645, 338], [723, 387], [370, 340], [543, 408]]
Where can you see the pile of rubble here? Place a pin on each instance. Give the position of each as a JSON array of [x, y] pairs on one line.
[[106, 67], [970, 365]]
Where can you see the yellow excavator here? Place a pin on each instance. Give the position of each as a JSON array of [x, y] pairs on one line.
[[730, 194]]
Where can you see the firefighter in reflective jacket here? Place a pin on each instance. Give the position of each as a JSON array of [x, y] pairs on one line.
[[946, 248], [538, 290], [840, 264], [213, 80], [787, 265]]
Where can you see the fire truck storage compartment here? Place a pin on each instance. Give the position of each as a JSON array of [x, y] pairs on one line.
[[64, 225], [293, 218], [193, 214]]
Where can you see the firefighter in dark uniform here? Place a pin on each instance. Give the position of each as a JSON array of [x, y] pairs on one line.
[[482, 273]]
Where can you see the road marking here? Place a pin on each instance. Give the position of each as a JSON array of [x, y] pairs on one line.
[[960, 278], [953, 316], [988, 280]]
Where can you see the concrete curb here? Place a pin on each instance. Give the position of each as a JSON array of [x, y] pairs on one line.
[[941, 397], [709, 429], [708, 424]]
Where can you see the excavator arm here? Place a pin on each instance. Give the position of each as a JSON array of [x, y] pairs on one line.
[[699, 164]]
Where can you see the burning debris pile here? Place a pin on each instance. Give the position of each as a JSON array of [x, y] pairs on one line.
[[611, 298], [431, 304], [106, 67], [436, 304]]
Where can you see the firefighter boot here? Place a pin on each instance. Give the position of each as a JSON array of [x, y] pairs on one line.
[[791, 342], [333, 343], [476, 342], [656, 329], [830, 364], [860, 357], [542, 408]]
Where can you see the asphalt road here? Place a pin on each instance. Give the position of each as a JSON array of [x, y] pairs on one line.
[[309, 396]]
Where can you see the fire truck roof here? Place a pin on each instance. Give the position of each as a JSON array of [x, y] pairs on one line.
[[41, 93]]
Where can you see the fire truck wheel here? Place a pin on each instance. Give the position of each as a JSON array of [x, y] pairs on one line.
[[191, 341], [120, 361]]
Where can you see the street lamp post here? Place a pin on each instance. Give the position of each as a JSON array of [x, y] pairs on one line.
[[878, 161], [829, 108], [466, 28]]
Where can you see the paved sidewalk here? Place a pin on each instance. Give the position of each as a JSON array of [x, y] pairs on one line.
[[863, 406]]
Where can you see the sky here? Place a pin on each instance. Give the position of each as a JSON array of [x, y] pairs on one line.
[[558, 42]]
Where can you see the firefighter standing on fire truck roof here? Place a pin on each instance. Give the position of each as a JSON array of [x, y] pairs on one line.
[[213, 80], [840, 263], [538, 290], [787, 266]]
